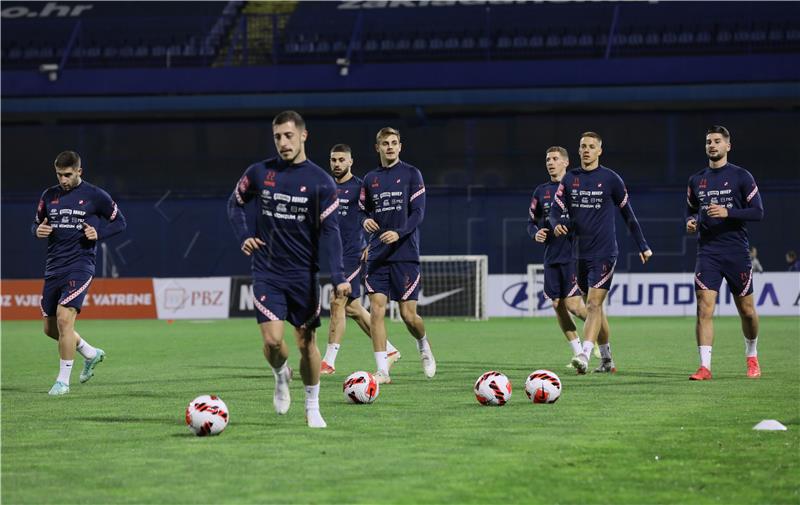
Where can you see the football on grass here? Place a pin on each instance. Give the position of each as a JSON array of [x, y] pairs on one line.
[[360, 387], [543, 386], [492, 388], [207, 415]]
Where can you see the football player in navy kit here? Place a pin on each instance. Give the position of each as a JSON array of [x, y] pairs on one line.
[[721, 198], [589, 196], [354, 252], [560, 281], [393, 206], [72, 215], [296, 214]]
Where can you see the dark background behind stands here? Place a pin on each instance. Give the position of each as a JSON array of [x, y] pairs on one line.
[[168, 109]]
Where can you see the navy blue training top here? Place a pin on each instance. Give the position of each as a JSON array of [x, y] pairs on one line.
[[68, 249], [295, 213]]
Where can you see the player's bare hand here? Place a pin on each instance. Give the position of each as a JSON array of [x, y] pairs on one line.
[[365, 254], [717, 211], [44, 230], [343, 289], [371, 225], [645, 256], [560, 230], [691, 226], [541, 235], [251, 244], [90, 231], [389, 237]]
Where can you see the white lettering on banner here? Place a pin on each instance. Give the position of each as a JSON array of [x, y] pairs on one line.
[[192, 298], [119, 299], [775, 293], [246, 297], [31, 300], [49, 9]]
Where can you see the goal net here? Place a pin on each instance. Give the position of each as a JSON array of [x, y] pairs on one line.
[[536, 304], [451, 286]]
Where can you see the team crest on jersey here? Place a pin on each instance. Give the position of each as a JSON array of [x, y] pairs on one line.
[[547, 194], [703, 184], [375, 183], [576, 183], [54, 201], [269, 179]]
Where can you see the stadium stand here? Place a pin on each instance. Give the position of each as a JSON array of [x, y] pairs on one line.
[[159, 34]]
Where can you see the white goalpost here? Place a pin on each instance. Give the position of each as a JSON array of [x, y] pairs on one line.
[[452, 286], [535, 284]]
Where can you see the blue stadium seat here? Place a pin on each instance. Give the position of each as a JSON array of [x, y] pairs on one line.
[[635, 39], [30, 53], [775, 35], [669, 38], [452, 43]]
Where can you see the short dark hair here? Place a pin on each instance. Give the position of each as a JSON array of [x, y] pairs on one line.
[[592, 135], [341, 148], [558, 149], [719, 129], [67, 159], [287, 116]]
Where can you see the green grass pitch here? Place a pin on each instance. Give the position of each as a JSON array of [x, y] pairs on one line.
[[645, 435]]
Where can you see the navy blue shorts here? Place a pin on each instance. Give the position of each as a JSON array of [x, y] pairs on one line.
[[398, 280], [293, 298], [737, 271], [560, 281], [595, 273], [353, 271], [67, 289]]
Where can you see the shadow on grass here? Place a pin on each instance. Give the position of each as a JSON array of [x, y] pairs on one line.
[[237, 367], [132, 420]]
